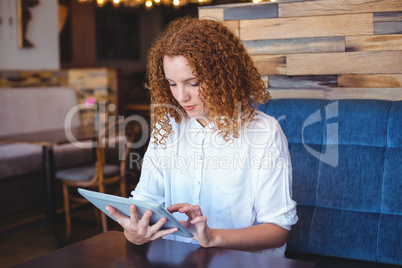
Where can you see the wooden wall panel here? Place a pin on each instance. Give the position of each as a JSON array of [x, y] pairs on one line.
[[266, 80], [211, 13], [333, 49], [311, 81], [233, 25], [328, 7], [344, 63], [337, 25], [297, 93], [370, 80], [270, 65], [374, 42], [251, 12], [363, 93], [388, 22], [296, 45]]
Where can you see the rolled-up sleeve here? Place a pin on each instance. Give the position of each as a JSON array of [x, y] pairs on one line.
[[273, 199]]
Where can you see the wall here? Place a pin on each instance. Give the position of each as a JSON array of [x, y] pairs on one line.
[[331, 49], [99, 83], [42, 32], [84, 38]]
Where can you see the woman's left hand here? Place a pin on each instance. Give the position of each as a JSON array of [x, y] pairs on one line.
[[196, 222]]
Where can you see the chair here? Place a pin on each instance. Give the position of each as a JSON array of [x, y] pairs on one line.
[[117, 137]]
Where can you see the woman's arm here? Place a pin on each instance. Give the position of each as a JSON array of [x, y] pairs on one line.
[[253, 238]]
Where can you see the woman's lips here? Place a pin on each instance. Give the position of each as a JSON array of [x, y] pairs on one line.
[[188, 107]]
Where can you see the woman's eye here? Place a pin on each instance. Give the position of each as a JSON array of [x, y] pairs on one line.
[[171, 85], [194, 84]]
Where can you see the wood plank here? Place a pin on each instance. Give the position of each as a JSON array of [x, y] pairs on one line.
[[246, 4], [387, 16], [296, 45], [388, 23], [319, 26], [297, 93], [270, 64], [331, 7], [210, 13], [251, 12], [311, 81], [233, 25], [394, 94], [265, 78], [392, 27], [344, 63], [370, 80], [374, 42]]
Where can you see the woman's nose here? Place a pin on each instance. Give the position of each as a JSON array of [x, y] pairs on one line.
[[182, 94]]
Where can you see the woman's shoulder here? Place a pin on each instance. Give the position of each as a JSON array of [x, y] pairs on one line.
[[263, 121]]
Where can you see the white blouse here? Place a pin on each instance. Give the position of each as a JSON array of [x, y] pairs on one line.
[[237, 183]]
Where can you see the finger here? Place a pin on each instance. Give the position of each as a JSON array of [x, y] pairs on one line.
[[158, 225], [199, 219], [134, 214], [188, 223], [162, 233], [120, 218], [146, 218], [176, 207], [191, 209]]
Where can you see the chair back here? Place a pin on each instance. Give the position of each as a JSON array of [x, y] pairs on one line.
[[116, 141]]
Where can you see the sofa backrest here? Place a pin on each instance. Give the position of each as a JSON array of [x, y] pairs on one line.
[[30, 109], [347, 176]]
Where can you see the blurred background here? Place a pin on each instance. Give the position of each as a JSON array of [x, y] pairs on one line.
[[96, 48]]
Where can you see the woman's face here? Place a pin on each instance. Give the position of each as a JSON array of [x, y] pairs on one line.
[[184, 86]]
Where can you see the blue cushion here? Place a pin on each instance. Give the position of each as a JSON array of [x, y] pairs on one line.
[[344, 234], [363, 122], [355, 183], [390, 239], [347, 166], [292, 115], [392, 187], [300, 234], [86, 173], [304, 179], [395, 125]]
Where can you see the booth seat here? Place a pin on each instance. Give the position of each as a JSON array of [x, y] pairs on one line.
[[347, 178], [32, 109]]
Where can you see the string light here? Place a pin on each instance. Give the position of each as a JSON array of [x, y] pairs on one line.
[[148, 3]]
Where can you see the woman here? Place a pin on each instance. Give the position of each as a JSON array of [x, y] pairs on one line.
[[222, 167]]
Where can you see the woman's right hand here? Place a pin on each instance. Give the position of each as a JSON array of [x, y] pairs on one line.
[[138, 231]]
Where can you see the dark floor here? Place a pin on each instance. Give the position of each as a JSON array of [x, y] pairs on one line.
[[35, 238], [24, 233]]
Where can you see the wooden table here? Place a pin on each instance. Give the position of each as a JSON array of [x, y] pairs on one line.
[[111, 249], [48, 139]]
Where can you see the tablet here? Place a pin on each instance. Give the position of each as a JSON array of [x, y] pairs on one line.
[[122, 204]]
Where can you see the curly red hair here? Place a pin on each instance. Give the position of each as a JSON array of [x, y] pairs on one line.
[[231, 85]]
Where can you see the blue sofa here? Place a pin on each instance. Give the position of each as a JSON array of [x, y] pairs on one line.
[[347, 178]]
